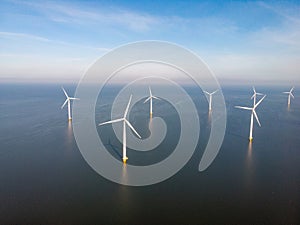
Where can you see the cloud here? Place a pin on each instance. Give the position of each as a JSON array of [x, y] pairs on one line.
[[286, 34], [32, 37], [281, 39], [12, 35], [261, 48], [118, 18], [135, 21], [286, 10], [67, 13]]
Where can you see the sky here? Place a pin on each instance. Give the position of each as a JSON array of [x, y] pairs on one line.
[[250, 41]]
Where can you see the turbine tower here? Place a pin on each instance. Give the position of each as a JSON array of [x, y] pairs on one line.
[[150, 99], [210, 97], [68, 100], [254, 95], [253, 113], [290, 94], [125, 121]]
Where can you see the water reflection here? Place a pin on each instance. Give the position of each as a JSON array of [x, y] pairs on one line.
[[209, 116], [69, 133], [125, 199], [249, 155], [249, 169], [150, 124], [69, 137], [124, 176]]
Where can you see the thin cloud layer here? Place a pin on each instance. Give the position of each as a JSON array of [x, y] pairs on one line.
[[237, 39]]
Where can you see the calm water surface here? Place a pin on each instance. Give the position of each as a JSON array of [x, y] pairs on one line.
[[45, 180]]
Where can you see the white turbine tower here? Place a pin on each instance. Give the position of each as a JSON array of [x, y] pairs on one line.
[[290, 94], [254, 95], [150, 98], [253, 113], [210, 98], [68, 100], [125, 121]]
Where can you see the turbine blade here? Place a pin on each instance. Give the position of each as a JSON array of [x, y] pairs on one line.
[[64, 103], [147, 99], [127, 107], [253, 95], [206, 92], [74, 98], [242, 107], [292, 89], [292, 95], [132, 128], [256, 93], [65, 92], [111, 121], [286, 92], [259, 101], [155, 97], [256, 117], [253, 88], [150, 91], [214, 92]]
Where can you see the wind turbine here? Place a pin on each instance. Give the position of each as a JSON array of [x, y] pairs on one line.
[[68, 100], [254, 95], [253, 113], [150, 98], [290, 94], [210, 97], [125, 121]]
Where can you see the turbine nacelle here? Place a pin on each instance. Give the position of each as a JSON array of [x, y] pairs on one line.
[[211, 92]]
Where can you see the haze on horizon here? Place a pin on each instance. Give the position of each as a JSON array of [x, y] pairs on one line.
[[240, 41]]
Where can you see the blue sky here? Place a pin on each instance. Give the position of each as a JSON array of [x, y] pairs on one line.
[[57, 40]]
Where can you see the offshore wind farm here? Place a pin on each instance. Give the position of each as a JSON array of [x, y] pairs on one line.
[[43, 139], [149, 112]]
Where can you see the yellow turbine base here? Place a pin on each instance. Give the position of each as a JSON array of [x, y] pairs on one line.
[[125, 160], [250, 139], [70, 119]]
